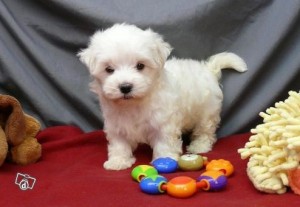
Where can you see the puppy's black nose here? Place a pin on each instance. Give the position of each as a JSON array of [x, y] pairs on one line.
[[125, 88]]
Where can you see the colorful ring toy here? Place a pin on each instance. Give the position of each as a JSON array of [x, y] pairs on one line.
[[150, 182]]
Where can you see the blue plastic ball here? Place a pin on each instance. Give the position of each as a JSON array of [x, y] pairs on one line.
[[152, 184], [165, 165]]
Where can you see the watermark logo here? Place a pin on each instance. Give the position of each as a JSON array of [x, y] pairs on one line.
[[25, 181]]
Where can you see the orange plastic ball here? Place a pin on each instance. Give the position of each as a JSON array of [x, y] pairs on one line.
[[220, 165], [181, 187]]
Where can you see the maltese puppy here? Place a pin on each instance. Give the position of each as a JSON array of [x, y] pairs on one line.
[[146, 98]]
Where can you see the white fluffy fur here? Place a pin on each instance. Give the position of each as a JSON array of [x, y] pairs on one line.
[[167, 98]]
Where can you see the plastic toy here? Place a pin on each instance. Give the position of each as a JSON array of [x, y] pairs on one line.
[[187, 162], [165, 165], [141, 171], [220, 165], [151, 182], [274, 148], [191, 162]]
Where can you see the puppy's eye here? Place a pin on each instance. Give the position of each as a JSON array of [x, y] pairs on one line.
[[140, 66], [109, 70]]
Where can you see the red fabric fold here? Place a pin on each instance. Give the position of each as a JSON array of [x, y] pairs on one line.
[[70, 173]]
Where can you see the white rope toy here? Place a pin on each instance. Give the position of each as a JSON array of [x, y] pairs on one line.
[[274, 147]]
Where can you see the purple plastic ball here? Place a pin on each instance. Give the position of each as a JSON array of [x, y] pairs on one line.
[[215, 180]]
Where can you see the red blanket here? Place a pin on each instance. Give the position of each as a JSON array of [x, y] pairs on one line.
[[70, 173]]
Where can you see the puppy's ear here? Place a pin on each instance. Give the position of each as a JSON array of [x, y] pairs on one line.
[[87, 57], [162, 49]]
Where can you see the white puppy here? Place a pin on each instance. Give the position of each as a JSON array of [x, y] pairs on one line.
[[146, 99]]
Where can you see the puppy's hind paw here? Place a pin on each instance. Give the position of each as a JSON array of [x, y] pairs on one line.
[[118, 163]]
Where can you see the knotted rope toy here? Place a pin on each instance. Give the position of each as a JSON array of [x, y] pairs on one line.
[[213, 179], [274, 148]]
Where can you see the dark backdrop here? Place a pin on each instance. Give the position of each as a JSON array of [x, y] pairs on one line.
[[40, 38]]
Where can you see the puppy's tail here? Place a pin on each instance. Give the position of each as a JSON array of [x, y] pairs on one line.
[[225, 60]]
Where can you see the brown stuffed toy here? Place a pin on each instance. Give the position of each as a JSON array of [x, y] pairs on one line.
[[17, 133]]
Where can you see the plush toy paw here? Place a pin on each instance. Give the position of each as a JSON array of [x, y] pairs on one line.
[[3, 146], [265, 181], [29, 151]]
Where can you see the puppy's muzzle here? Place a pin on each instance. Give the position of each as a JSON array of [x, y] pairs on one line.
[[125, 88]]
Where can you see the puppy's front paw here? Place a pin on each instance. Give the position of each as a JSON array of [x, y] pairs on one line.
[[196, 149], [201, 145], [118, 163]]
